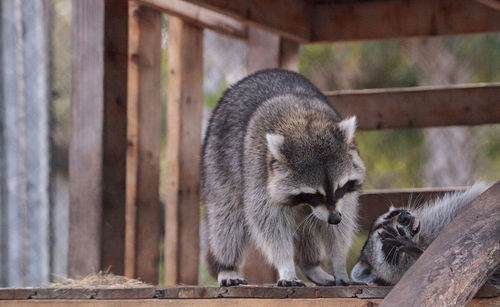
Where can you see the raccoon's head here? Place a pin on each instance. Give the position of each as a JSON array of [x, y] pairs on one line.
[[379, 261], [314, 162]]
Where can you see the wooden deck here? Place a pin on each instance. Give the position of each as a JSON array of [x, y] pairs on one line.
[[489, 295]]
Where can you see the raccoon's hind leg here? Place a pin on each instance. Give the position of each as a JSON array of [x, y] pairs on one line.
[[227, 242]]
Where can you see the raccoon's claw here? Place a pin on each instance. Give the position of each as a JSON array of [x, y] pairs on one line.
[[232, 282], [291, 283]]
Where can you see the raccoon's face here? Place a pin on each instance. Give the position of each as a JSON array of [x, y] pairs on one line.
[[379, 260], [316, 165]]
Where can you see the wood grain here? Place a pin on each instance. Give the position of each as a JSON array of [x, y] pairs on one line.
[[420, 107], [144, 144], [369, 20], [184, 113], [98, 137], [458, 262], [287, 18], [200, 17], [197, 292]]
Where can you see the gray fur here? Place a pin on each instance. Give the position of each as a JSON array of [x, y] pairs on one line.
[[373, 265], [273, 136]]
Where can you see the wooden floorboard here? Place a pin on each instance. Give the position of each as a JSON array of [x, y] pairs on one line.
[[203, 293]]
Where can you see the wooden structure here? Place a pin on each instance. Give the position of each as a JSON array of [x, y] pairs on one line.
[[114, 154]]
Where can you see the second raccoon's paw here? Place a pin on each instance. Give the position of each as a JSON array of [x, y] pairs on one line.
[[347, 282], [291, 283]]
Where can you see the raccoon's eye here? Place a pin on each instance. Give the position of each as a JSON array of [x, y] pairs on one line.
[[350, 186], [309, 198]]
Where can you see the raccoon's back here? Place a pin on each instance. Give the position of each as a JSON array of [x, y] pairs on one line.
[[223, 146]]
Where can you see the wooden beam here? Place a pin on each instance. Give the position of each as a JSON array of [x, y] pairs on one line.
[[458, 262], [376, 202], [420, 107], [370, 20], [287, 18], [184, 113], [144, 144], [98, 137], [494, 4], [200, 17]]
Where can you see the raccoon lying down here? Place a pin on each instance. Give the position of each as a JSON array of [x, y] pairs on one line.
[[398, 237]]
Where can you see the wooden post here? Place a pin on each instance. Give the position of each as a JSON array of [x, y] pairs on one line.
[[458, 262], [98, 137], [266, 50], [144, 143], [184, 112], [24, 142]]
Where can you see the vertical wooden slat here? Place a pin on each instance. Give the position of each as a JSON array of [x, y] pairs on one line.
[[98, 137], [184, 112], [13, 195], [144, 142], [289, 54], [36, 58], [266, 50]]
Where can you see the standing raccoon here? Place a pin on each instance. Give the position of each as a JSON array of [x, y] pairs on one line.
[[279, 167], [399, 236]]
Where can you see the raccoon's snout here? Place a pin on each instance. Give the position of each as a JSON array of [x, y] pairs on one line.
[[334, 218], [404, 218]]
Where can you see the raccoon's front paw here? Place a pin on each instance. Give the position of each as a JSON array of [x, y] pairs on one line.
[[232, 282], [291, 283]]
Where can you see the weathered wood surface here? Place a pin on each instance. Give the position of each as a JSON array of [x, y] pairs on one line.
[[98, 137], [287, 18], [368, 20], [142, 229], [197, 292], [184, 113], [24, 143], [376, 202], [419, 107], [200, 17], [458, 262]]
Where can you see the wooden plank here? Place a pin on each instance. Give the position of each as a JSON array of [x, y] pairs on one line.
[[98, 137], [376, 202], [287, 18], [201, 17], [466, 252], [321, 302], [142, 229], [197, 292], [419, 107], [184, 113], [369, 20]]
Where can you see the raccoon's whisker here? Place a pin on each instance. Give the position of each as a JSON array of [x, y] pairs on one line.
[[302, 223]]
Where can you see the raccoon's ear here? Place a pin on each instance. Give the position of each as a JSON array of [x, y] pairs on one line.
[[362, 272], [348, 126], [274, 143]]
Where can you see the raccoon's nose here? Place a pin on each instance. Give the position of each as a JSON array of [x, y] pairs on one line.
[[334, 218], [404, 218]]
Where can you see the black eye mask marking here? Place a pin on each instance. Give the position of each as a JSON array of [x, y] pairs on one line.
[[308, 198], [350, 186]]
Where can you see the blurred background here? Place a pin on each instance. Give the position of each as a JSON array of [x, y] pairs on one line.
[[34, 225]]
